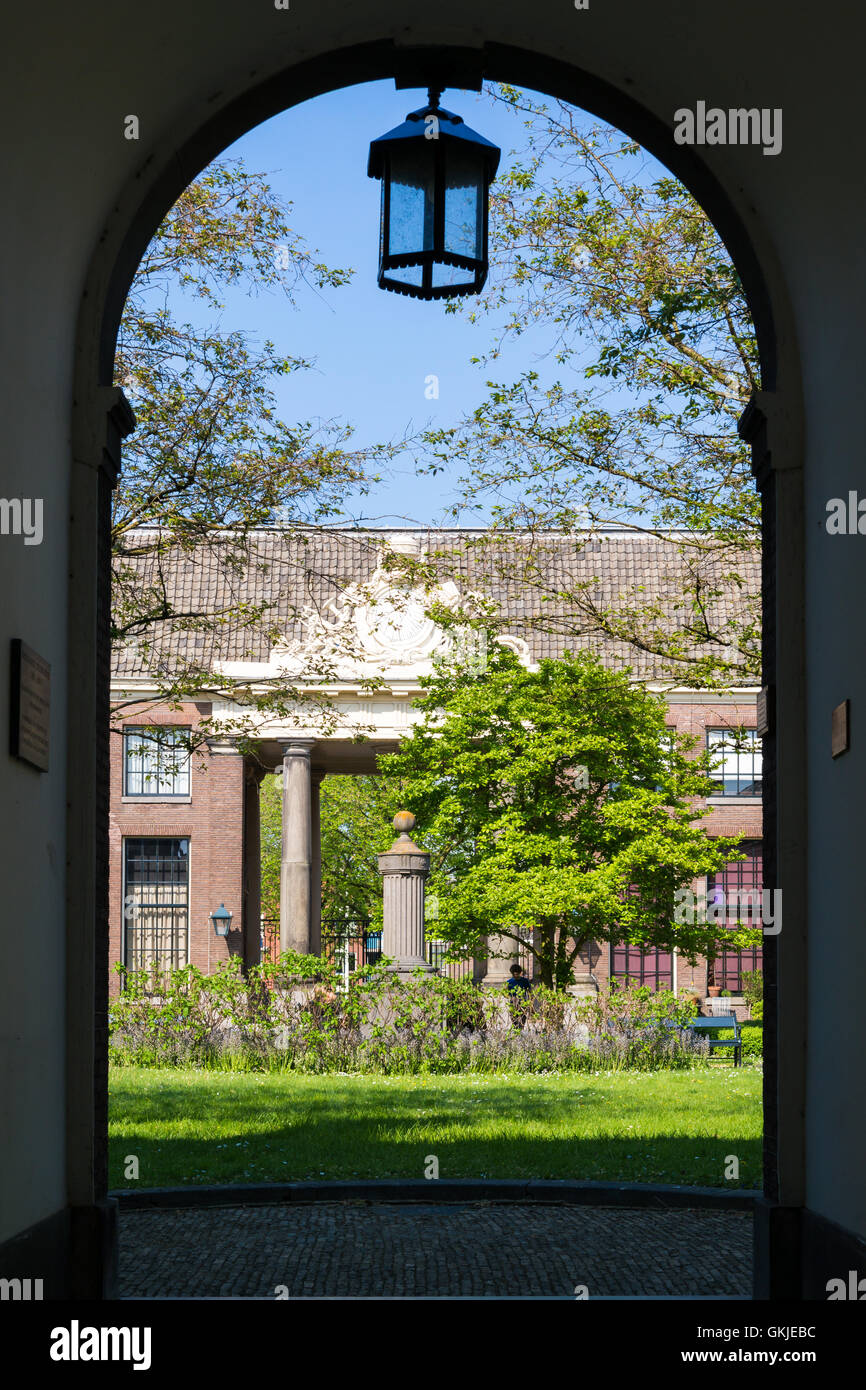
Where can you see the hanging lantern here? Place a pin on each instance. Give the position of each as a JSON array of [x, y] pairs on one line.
[[435, 175]]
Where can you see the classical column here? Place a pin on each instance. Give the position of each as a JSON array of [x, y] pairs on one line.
[[404, 869], [296, 862], [316, 780], [252, 857]]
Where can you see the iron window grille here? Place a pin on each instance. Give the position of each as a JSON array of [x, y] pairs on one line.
[[653, 968], [156, 903]]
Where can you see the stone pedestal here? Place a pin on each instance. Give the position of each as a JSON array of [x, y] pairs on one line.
[[498, 970], [404, 869], [582, 987]]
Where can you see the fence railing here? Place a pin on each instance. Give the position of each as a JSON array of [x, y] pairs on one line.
[[351, 944]]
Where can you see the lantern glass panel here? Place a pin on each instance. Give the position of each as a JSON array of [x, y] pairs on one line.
[[407, 275], [410, 226], [450, 276], [464, 204]]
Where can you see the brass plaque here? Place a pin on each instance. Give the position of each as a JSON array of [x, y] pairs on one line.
[[30, 706], [839, 736]]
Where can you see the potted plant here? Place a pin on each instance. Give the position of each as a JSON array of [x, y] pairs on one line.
[[713, 990], [694, 996]]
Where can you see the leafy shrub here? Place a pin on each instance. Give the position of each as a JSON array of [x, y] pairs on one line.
[[753, 991], [752, 1034], [293, 1014]]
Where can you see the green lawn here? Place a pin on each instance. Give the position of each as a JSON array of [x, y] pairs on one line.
[[190, 1127]]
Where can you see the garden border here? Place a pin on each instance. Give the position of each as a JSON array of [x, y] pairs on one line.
[[537, 1190]]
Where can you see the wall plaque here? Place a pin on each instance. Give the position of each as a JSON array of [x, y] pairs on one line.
[[30, 706], [839, 730], [764, 711]]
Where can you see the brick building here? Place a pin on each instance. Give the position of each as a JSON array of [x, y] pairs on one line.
[[185, 827]]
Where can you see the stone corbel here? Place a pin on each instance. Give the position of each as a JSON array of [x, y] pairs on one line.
[[772, 428], [102, 429]]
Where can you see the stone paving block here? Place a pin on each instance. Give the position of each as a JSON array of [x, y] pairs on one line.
[[368, 1249]]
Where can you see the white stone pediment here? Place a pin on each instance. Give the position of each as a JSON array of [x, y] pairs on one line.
[[381, 628]]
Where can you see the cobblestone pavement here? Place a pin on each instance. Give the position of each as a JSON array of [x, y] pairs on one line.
[[373, 1249]]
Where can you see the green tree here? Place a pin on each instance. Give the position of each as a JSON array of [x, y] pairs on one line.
[[356, 826], [210, 460], [533, 848], [657, 358], [271, 823]]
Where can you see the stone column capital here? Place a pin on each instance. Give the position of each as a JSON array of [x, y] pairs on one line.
[[773, 427], [298, 748], [101, 428], [414, 861]]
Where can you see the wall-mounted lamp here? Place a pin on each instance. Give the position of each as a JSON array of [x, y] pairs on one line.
[[222, 920]]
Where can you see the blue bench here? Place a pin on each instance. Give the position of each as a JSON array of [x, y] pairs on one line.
[[729, 1021]]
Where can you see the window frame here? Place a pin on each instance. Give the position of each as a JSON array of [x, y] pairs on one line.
[[145, 732], [718, 777], [647, 977], [182, 951], [734, 876]]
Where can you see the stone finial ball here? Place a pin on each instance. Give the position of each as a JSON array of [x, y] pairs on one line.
[[404, 821]]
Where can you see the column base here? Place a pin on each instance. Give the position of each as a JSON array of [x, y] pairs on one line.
[[403, 969], [494, 979]]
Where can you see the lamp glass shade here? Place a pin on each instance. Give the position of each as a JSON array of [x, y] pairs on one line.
[[435, 175], [222, 920]]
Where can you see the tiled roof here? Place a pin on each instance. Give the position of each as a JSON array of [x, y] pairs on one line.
[[293, 571]]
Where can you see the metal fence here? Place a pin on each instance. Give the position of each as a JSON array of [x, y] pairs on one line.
[[351, 944]]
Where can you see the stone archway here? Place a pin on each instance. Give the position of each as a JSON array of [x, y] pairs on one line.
[[101, 418]]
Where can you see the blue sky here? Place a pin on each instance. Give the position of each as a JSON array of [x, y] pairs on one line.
[[373, 350]]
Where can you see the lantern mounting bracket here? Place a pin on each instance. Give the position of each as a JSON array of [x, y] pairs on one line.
[[463, 71]]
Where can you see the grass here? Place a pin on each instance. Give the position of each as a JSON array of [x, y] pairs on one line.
[[189, 1127]]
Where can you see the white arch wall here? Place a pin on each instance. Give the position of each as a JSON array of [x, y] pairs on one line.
[[70, 179]]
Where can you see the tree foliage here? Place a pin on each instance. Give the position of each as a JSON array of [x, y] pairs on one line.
[[356, 826], [533, 849], [657, 358], [210, 459]]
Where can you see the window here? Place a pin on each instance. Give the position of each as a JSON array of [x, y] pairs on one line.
[[653, 968], [736, 757], [742, 885], [155, 903], [156, 761]]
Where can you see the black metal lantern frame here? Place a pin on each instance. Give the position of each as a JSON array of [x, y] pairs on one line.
[[428, 175]]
